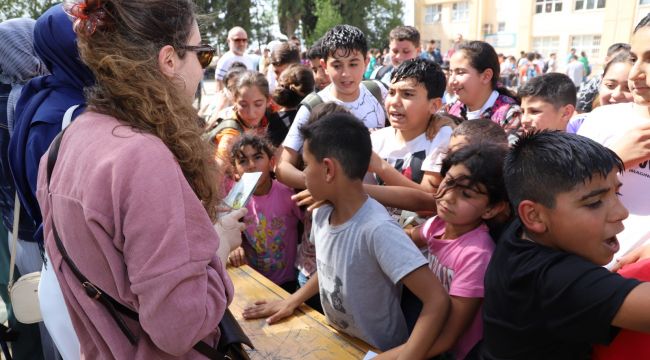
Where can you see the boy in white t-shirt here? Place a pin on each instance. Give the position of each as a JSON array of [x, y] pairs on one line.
[[625, 128], [344, 50], [414, 97]]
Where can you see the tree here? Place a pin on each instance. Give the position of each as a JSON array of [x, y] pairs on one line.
[[383, 15], [328, 16], [21, 8]]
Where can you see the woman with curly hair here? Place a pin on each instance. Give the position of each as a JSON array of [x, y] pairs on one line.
[[134, 192]]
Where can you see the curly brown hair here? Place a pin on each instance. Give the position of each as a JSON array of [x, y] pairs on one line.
[[122, 52]]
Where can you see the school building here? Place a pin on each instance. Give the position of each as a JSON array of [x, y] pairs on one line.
[[544, 26]]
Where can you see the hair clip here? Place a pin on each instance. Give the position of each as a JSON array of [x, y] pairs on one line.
[[85, 18]]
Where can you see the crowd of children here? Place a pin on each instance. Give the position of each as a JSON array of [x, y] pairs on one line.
[[432, 213], [500, 229]]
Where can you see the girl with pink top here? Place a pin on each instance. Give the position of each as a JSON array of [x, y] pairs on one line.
[[271, 232], [133, 194], [460, 247]]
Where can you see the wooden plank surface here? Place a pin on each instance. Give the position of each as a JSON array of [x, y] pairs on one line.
[[305, 335]]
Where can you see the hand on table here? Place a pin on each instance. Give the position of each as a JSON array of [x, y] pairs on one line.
[[276, 310], [237, 257]]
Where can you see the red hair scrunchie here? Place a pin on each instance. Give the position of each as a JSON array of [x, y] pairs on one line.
[[86, 15]]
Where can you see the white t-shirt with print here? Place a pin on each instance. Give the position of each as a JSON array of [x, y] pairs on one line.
[[365, 107], [225, 62], [607, 125], [413, 157]]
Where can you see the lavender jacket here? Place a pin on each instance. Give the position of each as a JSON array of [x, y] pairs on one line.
[[133, 226]]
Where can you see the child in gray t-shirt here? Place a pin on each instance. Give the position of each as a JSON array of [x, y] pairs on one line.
[[362, 255]]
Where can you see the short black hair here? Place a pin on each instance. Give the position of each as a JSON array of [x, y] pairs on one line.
[[425, 72], [543, 164], [485, 164], [259, 143], [342, 137], [402, 33], [554, 88], [315, 52], [481, 130], [321, 110], [346, 38]]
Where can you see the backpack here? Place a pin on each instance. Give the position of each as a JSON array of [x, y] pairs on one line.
[[226, 120], [313, 99], [383, 71]]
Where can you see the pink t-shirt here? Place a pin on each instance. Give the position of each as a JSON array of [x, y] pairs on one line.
[[460, 265], [272, 233]]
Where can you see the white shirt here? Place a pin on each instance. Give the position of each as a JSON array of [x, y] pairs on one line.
[[225, 62], [366, 108], [607, 125], [473, 115]]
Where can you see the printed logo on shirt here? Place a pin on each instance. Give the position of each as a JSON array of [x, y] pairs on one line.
[[443, 273], [332, 298], [267, 242]]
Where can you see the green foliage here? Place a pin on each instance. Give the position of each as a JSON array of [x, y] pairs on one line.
[[374, 17], [328, 16], [383, 15], [10, 9]]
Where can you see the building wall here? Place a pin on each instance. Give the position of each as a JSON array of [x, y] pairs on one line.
[[512, 26]]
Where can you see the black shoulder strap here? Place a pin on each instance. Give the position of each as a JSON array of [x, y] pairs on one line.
[[94, 292]]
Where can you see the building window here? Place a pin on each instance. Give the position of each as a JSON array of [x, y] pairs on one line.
[[501, 27], [590, 4], [547, 6], [590, 44], [546, 45], [433, 14], [644, 2], [460, 11]]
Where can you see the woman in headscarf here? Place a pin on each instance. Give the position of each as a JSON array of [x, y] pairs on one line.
[[39, 116], [135, 190], [18, 64]]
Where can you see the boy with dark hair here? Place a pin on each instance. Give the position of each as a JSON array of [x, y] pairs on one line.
[[343, 51], [414, 98], [476, 131], [314, 54], [548, 102], [404, 45], [548, 295], [359, 274]]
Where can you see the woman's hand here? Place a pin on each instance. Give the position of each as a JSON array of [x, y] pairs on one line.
[[229, 228]]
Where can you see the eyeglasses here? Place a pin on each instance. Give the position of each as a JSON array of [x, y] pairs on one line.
[[240, 40], [204, 52]]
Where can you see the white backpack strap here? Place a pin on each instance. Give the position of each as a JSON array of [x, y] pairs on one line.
[[14, 240], [67, 117]]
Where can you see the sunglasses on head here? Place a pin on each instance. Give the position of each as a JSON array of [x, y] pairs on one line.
[[204, 52]]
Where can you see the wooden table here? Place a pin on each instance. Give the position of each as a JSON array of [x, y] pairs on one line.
[[305, 335]]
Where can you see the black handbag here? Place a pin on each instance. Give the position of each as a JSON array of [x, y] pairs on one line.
[[232, 335]]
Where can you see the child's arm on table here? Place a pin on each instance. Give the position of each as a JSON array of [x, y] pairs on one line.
[[435, 307], [280, 309], [287, 169]]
